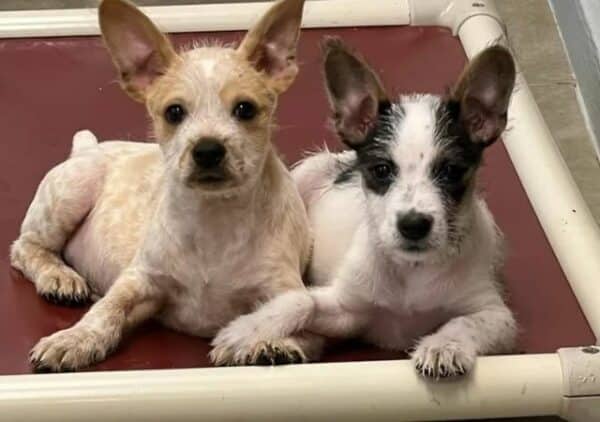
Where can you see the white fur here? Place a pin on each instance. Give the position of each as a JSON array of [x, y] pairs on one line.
[[209, 67]]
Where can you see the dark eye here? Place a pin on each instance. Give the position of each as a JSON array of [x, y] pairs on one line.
[[174, 114], [451, 173], [244, 110], [381, 172]]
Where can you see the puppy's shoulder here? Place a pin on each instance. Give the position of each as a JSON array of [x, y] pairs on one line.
[[322, 170]]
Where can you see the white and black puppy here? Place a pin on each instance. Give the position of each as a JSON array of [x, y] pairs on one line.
[[406, 253]]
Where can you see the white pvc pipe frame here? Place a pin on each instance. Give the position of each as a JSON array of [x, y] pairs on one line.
[[503, 386]]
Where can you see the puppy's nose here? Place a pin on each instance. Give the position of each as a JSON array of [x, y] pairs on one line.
[[414, 225], [208, 153]]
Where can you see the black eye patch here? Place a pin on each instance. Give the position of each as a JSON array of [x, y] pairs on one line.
[[453, 169], [377, 169], [452, 178], [458, 158], [374, 161], [449, 173]]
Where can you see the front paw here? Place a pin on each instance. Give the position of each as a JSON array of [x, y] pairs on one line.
[[440, 357], [239, 344], [67, 350], [275, 352]]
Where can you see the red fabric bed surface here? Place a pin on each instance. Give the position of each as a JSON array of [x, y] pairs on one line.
[[50, 88]]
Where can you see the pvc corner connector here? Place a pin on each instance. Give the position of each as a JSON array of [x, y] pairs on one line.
[[451, 14], [581, 371]]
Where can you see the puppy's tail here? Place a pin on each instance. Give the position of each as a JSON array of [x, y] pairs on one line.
[[82, 141]]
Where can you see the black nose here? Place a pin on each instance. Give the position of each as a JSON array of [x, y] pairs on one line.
[[414, 225], [208, 153]]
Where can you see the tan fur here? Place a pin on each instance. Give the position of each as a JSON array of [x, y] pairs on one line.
[[139, 228]]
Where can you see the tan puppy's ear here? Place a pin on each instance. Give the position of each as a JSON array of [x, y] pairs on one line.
[[271, 45], [356, 94], [139, 50], [483, 92]]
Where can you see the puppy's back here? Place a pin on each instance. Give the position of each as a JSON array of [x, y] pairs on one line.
[[330, 190]]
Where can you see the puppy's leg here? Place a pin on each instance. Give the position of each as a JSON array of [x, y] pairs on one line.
[[132, 299], [62, 201], [452, 350], [256, 337], [331, 318], [253, 337]]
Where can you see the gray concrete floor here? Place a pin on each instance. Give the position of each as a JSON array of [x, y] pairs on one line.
[[539, 50], [537, 44]]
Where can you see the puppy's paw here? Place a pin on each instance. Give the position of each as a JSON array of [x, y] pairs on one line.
[[440, 357], [63, 286], [239, 344], [274, 352], [239, 334], [252, 340], [277, 352], [67, 350]]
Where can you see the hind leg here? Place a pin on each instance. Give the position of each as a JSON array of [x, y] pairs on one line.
[[62, 201]]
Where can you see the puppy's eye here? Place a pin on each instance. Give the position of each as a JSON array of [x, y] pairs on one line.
[[244, 110], [381, 172], [452, 173], [174, 114]]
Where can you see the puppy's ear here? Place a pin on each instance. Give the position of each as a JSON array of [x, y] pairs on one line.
[[139, 50], [483, 93], [270, 46], [356, 95]]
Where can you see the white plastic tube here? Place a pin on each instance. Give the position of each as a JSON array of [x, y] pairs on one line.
[[379, 391], [205, 17]]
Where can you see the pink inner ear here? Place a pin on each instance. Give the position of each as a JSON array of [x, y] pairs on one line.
[[140, 61], [363, 114], [489, 130], [483, 126], [271, 60], [136, 50], [358, 116]]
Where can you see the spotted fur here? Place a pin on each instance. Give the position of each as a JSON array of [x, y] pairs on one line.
[[431, 286]]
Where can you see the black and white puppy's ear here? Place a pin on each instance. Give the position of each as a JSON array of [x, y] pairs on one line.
[[483, 93], [356, 95]]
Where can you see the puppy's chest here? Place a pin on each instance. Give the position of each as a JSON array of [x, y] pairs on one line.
[[212, 283], [407, 309]]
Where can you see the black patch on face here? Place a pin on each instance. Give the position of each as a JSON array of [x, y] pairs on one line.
[[455, 166], [373, 157]]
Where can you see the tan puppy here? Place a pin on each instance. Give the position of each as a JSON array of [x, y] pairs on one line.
[[194, 230]]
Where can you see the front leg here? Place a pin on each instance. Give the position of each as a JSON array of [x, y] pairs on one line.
[[452, 350], [263, 337], [132, 299]]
